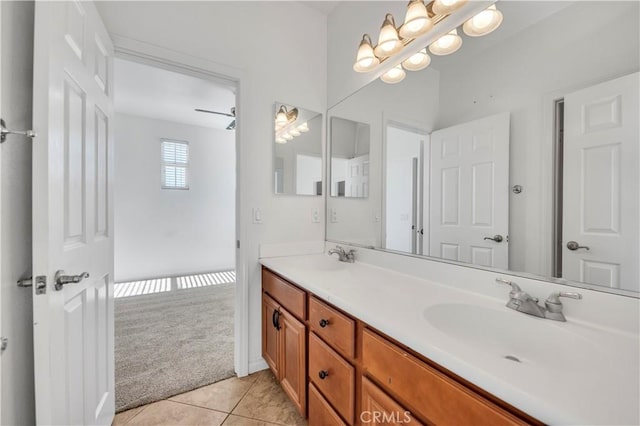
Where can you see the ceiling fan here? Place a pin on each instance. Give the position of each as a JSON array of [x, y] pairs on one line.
[[231, 125]]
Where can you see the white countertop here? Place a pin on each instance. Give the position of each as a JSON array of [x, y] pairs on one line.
[[571, 372]]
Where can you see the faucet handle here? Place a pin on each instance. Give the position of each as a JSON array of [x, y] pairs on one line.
[[515, 288], [555, 297]]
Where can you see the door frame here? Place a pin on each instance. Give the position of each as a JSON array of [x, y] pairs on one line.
[[141, 52], [1, 248]]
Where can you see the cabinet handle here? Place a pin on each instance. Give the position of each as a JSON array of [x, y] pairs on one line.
[[324, 323], [323, 374], [275, 319]]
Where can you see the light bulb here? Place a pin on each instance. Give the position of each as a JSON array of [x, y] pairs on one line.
[[417, 61], [416, 20], [281, 116], [280, 140], [447, 44], [365, 59], [294, 132], [483, 23], [388, 41], [394, 75], [304, 127], [445, 7], [286, 136]]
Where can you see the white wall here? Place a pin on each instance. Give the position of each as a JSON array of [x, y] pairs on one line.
[[281, 48], [163, 232], [18, 406], [521, 75]]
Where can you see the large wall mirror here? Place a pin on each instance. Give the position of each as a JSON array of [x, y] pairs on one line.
[[519, 152], [297, 151]]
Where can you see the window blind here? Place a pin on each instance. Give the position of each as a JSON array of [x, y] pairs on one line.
[[175, 164]]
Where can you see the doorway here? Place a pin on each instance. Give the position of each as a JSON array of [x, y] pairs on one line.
[[174, 228], [406, 165]]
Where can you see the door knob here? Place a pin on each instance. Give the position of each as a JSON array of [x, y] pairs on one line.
[[573, 245], [62, 279], [497, 238]]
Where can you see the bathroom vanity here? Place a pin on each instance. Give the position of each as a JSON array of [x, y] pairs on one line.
[[355, 372], [348, 341]]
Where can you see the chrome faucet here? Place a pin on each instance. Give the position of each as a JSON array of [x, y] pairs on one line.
[[343, 256], [521, 301]]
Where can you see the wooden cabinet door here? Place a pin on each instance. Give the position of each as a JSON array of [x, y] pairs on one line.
[[270, 334], [293, 353], [379, 409]]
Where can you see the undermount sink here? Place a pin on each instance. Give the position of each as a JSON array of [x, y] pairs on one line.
[[510, 335]]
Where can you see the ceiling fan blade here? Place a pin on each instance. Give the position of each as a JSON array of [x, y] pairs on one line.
[[215, 112]]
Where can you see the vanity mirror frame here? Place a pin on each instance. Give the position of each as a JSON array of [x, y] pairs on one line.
[[322, 142], [546, 207]]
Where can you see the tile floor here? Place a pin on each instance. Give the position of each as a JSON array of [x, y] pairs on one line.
[[256, 400]]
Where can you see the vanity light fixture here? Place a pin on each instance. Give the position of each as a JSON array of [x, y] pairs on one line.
[[394, 75], [447, 44], [284, 117], [445, 7], [366, 60], [483, 23], [286, 127], [416, 21], [420, 19], [418, 61], [388, 41]]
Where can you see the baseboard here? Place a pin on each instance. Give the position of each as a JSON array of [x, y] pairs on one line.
[[257, 365]]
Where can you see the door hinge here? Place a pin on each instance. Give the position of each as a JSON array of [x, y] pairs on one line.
[[4, 342]]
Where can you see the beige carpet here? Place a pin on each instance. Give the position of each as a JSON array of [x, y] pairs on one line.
[[169, 343]]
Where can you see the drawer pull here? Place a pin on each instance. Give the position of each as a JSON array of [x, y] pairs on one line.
[[324, 323], [323, 374], [275, 319]]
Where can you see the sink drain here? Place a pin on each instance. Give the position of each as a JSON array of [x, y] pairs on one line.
[[512, 358]]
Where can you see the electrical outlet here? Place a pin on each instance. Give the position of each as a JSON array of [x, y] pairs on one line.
[[334, 215], [256, 214], [315, 215]]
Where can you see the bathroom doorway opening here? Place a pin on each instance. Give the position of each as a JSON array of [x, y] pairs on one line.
[[175, 231]]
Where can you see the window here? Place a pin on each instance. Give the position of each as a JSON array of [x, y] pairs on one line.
[[175, 164]]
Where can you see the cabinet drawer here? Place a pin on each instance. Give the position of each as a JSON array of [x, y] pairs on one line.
[[320, 412], [426, 391], [380, 409], [334, 327], [290, 297], [339, 384]]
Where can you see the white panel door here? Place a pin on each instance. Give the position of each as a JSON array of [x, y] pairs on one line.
[[357, 181], [470, 192], [73, 215], [601, 179]]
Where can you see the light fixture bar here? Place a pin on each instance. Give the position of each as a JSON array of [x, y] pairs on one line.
[[443, 24]]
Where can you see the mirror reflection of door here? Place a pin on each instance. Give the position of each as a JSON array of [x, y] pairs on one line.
[[470, 192], [404, 172], [600, 195], [349, 158]]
